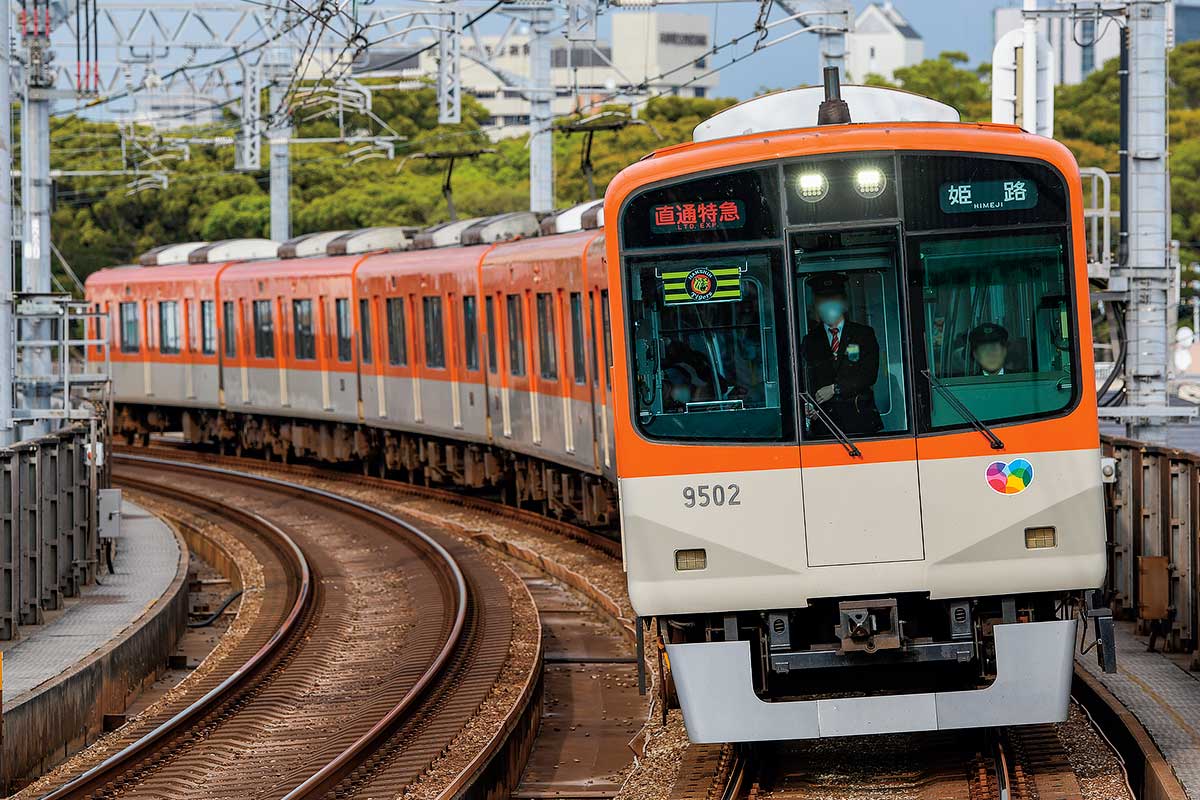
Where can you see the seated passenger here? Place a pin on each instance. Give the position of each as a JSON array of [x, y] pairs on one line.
[[695, 366], [989, 349], [841, 362]]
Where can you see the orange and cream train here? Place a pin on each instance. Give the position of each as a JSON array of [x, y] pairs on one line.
[[850, 414]]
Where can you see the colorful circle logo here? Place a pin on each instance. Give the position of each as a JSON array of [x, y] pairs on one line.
[[1011, 478], [701, 284]]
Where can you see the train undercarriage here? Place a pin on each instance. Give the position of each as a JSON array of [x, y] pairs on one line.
[[520, 480]]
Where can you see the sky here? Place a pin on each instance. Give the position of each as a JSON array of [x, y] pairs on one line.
[[943, 24]]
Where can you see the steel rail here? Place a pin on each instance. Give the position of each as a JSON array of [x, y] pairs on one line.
[[105, 769], [324, 779]]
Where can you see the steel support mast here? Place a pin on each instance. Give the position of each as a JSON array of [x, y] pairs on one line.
[[7, 367], [541, 118], [279, 131], [1147, 267], [35, 202]]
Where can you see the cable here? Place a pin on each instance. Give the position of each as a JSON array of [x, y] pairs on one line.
[[216, 615]]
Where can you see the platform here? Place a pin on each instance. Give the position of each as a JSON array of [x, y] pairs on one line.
[[91, 657], [1163, 695]]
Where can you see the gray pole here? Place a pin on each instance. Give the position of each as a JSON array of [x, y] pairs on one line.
[[6, 212], [278, 134], [35, 200], [1149, 213], [831, 41], [281, 179], [541, 133]]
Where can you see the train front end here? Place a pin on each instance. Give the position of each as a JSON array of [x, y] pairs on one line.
[[857, 442]]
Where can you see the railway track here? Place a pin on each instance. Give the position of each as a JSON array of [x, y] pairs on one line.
[[1009, 764], [375, 643]]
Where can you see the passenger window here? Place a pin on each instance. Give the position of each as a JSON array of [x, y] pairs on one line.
[[130, 328], [516, 335], [705, 336], [489, 309], [471, 333], [364, 329], [208, 327], [604, 315], [304, 342], [852, 352], [435, 349], [168, 327], [994, 315], [579, 360], [397, 332], [227, 310], [547, 341], [345, 334], [264, 330]]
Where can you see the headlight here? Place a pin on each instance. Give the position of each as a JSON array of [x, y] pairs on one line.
[[870, 182], [812, 186]]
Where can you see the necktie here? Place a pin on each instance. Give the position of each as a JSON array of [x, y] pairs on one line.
[[834, 342]]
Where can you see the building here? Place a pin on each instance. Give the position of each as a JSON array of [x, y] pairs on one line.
[[1083, 45], [664, 52], [882, 41], [171, 110]]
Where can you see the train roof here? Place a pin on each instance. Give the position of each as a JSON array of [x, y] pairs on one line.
[[435, 261], [274, 269], [542, 248], [136, 274]]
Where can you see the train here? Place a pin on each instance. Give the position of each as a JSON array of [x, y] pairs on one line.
[[828, 365]]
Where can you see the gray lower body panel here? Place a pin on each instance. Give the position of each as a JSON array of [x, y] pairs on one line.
[[1033, 685]]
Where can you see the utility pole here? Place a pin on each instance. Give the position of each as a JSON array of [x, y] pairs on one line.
[[7, 367], [279, 131], [1147, 215], [35, 198], [831, 37], [541, 131]]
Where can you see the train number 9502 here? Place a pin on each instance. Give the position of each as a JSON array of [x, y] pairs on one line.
[[718, 494]]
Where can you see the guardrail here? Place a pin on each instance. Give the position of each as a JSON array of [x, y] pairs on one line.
[[1152, 507], [49, 524]]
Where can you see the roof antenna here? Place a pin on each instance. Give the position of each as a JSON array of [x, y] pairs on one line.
[[833, 109]]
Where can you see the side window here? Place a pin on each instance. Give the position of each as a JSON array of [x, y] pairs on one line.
[[489, 308], [997, 326], [345, 336], [705, 338], [230, 322], [364, 329], [130, 328], [264, 330], [397, 332], [304, 342], [604, 315], [547, 341], [208, 327], [577, 338], [516, 335], [435, 346], [168, 327], [471, 332]]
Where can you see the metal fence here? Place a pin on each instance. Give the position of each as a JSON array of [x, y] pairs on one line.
[[1153, 513], [49, 528]]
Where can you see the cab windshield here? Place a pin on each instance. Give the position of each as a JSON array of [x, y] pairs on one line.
[[869, 295]]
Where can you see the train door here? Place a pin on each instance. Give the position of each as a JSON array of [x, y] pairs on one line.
[[454, 355], [189, 358], [858, 444]]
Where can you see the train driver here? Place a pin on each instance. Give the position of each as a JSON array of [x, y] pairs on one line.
[[989, 348], [841, 359]]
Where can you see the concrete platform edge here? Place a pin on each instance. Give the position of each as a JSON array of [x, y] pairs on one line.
[[1149, 771], [60, 717]]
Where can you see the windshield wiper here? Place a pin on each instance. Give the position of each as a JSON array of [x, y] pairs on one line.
[[837, 432], [963, 411]]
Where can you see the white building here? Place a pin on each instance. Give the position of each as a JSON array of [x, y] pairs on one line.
[[585, 75], [882, 41]]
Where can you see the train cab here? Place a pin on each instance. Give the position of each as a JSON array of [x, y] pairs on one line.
[[858, 454]]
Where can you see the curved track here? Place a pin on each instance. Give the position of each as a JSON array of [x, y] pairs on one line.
[[373, 646]]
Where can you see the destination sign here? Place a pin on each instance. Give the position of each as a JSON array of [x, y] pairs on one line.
[[959, 198], [700, 216]]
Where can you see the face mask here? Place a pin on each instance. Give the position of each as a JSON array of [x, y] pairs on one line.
[[831, 311], [681, 394]]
